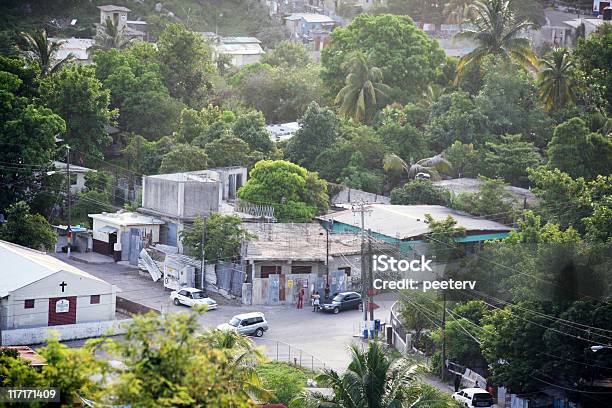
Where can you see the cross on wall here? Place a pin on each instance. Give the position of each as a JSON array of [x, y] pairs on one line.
[[63, 285]]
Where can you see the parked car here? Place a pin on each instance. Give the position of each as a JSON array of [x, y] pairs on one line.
[[254, 323], [192, 297], [342, 301], [474, 397]]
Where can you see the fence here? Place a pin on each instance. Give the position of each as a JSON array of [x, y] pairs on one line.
[[280, 351], [230, 277], [400, 340]]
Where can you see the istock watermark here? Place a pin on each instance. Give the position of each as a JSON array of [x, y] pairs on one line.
[[384, 263]]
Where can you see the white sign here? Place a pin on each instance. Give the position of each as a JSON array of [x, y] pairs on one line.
[[62, 306]]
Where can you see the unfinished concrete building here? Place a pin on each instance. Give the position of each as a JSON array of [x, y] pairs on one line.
[[179, 198]]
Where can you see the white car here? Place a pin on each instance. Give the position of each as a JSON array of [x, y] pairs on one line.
[[192, 297], [473, 397], [247, 323]]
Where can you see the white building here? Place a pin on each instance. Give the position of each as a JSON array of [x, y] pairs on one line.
[[78, 47], [119, 234], [134, 29], [242, 50], [281, 132], [77, 184], [37, 290]]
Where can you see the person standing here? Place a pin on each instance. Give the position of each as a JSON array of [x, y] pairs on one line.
[[300, 303], [316, 301]]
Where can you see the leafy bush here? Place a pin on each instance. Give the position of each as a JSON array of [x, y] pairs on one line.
[[283, 379]]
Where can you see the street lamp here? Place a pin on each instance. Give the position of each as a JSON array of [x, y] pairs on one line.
[[595, 349]]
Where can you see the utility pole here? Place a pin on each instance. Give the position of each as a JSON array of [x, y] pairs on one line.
[[69, 183], [443, 369], [203, 261], [361, 209], [370, 276], [327, 256]]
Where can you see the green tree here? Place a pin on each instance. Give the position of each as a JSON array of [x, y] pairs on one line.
[[23, 228], [557, 86], [319, 129], [80, 99], [492, 201], [15, 372], [183, 157], [407, 58], [287, 55], [223, 236], [593, 55], [354, 175], [509, 100], [419, 312], [401, 130], [285, 380], [364, 91], [186, 64], [27, 141], [455, 117], [167, 365], [281, 94], [111, 36], [496, 31], [578, 152], [145, 157], [72, 370], [510, 158], [228, 151], [137, 89], [441, 238], [39, 49], [296, 194], [90, 202], [251, 127], [419, 192], [467, 160], [372, 379]]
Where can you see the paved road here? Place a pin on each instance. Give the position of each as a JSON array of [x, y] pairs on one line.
[[324, 336]]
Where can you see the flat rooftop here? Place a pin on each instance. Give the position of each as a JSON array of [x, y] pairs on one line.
[[298, 242], [125, 218]]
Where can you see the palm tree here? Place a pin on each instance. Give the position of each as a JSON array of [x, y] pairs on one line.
[[557, 87], [437, 166], [496, 31], [432, 93], [244, 357], [364, 90], [38, 48], [111, 36], [373, 380]]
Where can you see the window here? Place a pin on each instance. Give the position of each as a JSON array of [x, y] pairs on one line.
[[258, 320], [183, 293], [94, 299], [28, 304], [267, 270], [306, 269], [346, 270]]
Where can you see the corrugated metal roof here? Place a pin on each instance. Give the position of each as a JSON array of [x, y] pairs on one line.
[[408, 221], [22, 266]]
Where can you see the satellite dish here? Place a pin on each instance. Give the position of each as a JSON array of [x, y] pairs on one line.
[[73, 21]]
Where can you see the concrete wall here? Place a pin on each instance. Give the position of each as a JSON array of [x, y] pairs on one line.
[[101, 236], [16, 316], [200, 198], [161, 195], [38, 335]]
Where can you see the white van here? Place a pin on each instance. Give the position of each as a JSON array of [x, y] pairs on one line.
[[474, 397]]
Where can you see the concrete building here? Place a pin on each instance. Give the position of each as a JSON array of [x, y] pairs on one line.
[[37, 290], [241, 50], [179, 198], [123, 234], [133, 29], [345, 195], [303, 25], [287, 257]]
